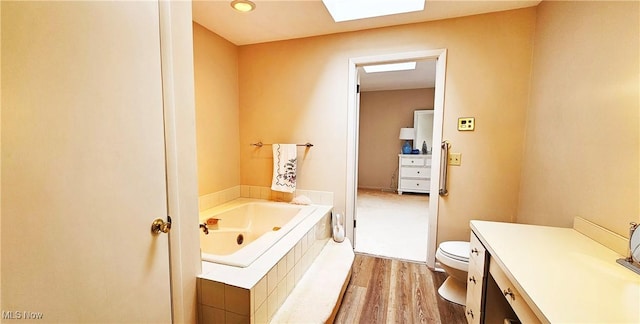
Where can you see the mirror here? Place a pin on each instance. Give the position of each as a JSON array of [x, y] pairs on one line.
[[423, 125], [634, 244], [632, 262]]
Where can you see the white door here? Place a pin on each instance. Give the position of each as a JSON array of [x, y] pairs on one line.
[[83, 171]]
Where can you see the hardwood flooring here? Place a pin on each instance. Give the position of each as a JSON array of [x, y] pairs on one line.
[[393, 291]]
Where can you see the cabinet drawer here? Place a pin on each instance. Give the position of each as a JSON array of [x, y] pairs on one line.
[[415, 173], [415, 161], [475, 282], [478, 254], [513, 296], [472, 312], [412, 184]]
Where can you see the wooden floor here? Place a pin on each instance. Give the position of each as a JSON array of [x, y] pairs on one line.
[[392, 291]]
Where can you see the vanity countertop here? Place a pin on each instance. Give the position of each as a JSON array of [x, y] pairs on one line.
[[564, 276]]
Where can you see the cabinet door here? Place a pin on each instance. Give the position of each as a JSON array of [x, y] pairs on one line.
[[475, 280]]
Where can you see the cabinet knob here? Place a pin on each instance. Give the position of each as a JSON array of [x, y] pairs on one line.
[[472, 279], [470, 313], [509, 293], [474, 250]]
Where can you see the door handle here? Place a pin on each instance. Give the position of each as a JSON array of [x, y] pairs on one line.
[[160, 226]]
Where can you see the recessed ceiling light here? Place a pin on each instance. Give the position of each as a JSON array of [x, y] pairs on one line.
[[404, 66], [243, 5], [343, 10]]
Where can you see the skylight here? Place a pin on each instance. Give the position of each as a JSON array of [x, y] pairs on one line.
[[390, 67], [343, 10]]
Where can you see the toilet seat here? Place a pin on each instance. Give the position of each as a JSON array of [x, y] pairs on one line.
[[457, 250]]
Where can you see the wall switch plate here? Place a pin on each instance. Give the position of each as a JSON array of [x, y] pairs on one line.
[[455, 158], [466, 123]]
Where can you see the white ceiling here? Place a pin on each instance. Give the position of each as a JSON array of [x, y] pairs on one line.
[[274, 20]]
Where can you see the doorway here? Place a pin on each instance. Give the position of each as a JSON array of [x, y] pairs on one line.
[[353, 142], [392, 203]]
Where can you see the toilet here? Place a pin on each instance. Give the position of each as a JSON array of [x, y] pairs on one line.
[[454, 259]]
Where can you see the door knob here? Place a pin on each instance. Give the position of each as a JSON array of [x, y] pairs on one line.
[[160, 226]]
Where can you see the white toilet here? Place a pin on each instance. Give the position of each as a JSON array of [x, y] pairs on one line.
[[454, 259]]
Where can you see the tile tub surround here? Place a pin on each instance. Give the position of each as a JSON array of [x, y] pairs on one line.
[[243, 191], [253, 294]]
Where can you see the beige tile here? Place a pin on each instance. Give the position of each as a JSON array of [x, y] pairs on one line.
[[237, 300], [311, 236], [261, 315], [272, 279], [298, 271], [265, 193], [291, 281], [272, 303], [199, 289], [245, 191], [260, 292], [298, 251], [304, 244], [282, 293], [282, 269], [212, 315], [291, 259], [256, 192], [236, 318], [212, 293]]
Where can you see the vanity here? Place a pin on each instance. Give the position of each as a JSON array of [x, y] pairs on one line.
[[540, 274]]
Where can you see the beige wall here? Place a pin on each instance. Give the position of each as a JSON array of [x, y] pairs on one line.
[[217, 128], [382, 114], [296, 91], [582, 139]]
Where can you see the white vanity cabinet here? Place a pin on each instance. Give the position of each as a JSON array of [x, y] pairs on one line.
[[414, 173], [541, 274]]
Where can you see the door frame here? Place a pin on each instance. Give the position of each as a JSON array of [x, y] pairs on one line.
[[353, 111], [176, 50]]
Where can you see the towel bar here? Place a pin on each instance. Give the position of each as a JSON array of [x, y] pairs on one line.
[[260, 144]]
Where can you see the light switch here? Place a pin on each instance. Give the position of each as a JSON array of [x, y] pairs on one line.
[[466, 123], [455, 158]]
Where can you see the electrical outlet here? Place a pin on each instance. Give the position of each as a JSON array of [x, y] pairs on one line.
[[455, 158]]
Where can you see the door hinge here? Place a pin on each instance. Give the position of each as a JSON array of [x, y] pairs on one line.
[[358, 88], [354, 223]]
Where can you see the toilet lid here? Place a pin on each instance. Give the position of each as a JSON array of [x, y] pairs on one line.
[[456, 250]]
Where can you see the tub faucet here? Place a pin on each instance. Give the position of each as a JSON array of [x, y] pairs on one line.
[[205, 229]]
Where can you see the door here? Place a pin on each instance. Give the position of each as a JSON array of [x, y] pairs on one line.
[[83, 167]]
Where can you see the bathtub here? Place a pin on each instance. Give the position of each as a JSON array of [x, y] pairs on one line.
[[245, 231]]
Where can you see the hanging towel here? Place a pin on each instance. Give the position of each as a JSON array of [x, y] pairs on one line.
[[284, 167]]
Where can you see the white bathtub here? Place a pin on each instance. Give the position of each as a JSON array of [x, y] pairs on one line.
[[245, 231]]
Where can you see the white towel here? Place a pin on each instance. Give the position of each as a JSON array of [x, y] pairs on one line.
[[284, 167]]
